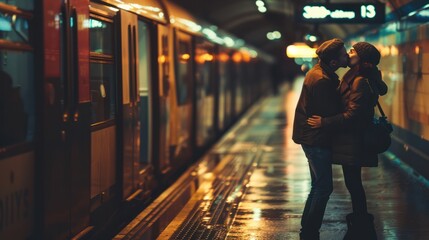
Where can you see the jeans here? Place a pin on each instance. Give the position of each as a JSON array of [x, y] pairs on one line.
[[319, 160]]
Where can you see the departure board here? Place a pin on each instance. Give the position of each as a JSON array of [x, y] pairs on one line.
[[342, 13]]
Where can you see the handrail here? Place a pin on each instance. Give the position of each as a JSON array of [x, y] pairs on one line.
[[9, 45]]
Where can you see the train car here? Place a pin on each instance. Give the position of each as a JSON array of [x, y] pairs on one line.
[[103, 104]]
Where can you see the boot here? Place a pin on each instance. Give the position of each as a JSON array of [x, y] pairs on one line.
[[314, 236], [360, 227]]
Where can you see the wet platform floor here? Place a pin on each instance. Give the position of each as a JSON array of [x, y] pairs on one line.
[[259, 188]]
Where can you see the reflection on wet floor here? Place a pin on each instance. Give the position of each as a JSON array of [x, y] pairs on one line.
[[269, 199]]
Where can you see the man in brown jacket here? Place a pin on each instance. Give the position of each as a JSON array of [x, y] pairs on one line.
[[318, 97]]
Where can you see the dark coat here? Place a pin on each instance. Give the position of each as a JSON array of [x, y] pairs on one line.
[[319, 96], [358, 100]]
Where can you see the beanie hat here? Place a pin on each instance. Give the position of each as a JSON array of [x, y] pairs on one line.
[[330, 50], [367, 52]]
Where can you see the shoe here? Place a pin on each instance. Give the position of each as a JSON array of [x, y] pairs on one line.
[[360, 227]]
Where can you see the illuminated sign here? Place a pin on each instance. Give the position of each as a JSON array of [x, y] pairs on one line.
[[342, 13]]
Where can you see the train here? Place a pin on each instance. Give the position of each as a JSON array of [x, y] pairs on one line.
[[104, 103]]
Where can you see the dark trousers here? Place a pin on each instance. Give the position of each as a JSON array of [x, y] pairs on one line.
[[352, 177], [319, 160]]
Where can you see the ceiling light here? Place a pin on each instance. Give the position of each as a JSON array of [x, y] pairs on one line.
[[274, 35], [260, 3]]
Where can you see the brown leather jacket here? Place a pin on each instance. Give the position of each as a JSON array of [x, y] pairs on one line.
[[359, 95], [319, 96]]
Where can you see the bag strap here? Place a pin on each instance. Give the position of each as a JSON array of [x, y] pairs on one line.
[[378, 103]]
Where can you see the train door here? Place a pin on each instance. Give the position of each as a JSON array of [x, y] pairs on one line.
[[204, 92], [145, 97], [182, 128], [223, 90], [136, 75], [105, 186], [238, 86], [64, 167], [130, 103], [164, 102], [231, 92], [18, 76]]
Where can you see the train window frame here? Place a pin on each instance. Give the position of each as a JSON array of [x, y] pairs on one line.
[[209, 48], [9, 46], [104, 59], [189, 85], [13, 45]]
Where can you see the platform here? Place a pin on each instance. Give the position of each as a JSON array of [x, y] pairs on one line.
[[254, 182]]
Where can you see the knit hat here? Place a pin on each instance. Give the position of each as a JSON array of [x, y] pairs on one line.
[[330, 50], [367, 52]]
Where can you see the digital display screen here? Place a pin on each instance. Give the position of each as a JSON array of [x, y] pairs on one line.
[[342, 13]]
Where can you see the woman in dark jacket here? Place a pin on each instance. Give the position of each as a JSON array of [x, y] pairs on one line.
[[359, 91]]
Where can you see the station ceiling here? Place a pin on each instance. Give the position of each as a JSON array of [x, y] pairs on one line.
[[242, 19]]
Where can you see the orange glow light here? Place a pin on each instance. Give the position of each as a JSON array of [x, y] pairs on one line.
[[246, 57], [161, 59], [185, 57], [199, 59], [394, 51], [208, 57], [417, 50], [236, 57], [385, 51], [223, 57]]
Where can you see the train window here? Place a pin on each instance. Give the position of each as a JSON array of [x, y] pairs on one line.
[[13, 28], [102, 92], [16, 97], [144, 84], [101, 36], [144, 58], [204, 57], [184, 68], [102, 74], [22, 4]]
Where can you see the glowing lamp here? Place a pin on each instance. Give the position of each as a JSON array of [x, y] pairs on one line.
[[300, 50]]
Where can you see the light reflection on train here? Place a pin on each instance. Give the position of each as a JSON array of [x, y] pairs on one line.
[[104, 103]]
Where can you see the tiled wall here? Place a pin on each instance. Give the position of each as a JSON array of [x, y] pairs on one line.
[[404, 45]]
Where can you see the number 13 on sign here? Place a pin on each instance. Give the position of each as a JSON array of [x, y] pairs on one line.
[[367, 11]]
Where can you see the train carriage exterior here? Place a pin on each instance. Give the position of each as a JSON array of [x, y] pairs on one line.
[[103, 104]]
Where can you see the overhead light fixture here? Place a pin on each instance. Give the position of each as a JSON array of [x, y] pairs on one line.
[[260, 3], [229, 42], [274, 35], [261, 6], [311, 38], [300, 50]]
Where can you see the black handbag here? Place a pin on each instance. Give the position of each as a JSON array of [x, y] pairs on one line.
[[377, 137]]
